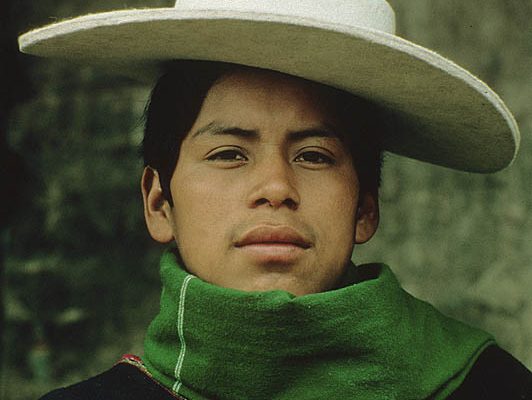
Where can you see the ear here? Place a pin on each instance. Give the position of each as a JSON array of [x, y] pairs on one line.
[[367, 219], [157, 211]]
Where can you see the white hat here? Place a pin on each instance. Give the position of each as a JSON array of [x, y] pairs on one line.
[[441, 113]]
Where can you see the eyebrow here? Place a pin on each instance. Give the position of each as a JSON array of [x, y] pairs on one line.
[[214, 128]]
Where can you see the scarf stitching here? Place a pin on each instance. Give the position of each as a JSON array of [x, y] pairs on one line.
[[180, 318]]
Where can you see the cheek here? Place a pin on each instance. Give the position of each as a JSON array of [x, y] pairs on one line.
[[333, 205], [339, 217], [201, 204]]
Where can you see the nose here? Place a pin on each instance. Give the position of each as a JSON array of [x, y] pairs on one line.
[[273, 185]]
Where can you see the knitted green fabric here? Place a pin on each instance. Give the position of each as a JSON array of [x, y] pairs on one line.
[[367, 340]]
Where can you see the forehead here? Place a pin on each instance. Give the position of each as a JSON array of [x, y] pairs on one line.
[[247, 96], [265, 83]]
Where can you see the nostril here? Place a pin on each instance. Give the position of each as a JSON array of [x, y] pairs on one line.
[[262, 201], [290, 203]]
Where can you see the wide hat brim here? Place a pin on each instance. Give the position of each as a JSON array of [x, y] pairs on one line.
[[437, 111]]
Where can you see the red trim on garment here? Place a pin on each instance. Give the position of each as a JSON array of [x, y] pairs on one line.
[[136, 361]]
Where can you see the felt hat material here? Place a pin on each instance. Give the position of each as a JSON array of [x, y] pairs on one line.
[[437, 111]]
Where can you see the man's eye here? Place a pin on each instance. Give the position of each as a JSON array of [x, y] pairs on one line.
[[227, 155], [314, 157]]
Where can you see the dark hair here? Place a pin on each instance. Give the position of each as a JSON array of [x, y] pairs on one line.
[[176, 100]]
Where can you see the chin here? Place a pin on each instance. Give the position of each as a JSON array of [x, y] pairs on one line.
[[287, 284]]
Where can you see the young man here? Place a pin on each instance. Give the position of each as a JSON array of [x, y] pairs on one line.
[[262, 166]]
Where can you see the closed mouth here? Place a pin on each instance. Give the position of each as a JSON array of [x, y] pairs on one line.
[[273, 235]]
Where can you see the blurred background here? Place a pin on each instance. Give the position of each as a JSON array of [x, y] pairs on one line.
[[79, 275]]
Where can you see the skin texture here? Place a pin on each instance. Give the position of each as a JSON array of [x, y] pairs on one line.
[[264, 161]]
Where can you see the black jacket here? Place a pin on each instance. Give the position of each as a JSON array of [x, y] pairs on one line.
[[495, 375]]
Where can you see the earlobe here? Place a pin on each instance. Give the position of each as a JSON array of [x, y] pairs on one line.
[[156, 209], [367, 219]]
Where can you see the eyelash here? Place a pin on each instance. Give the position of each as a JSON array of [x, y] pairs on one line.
[[324, 158], [218, 156], [221, 156]]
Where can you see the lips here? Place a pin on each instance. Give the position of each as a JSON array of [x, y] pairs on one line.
[[280, 235]]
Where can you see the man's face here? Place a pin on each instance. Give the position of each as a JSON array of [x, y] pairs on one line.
[[265, 192]]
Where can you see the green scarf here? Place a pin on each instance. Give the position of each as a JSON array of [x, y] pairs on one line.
[[367, 340]]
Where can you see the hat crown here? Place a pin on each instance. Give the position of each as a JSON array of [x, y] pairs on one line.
[[371, 14]]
